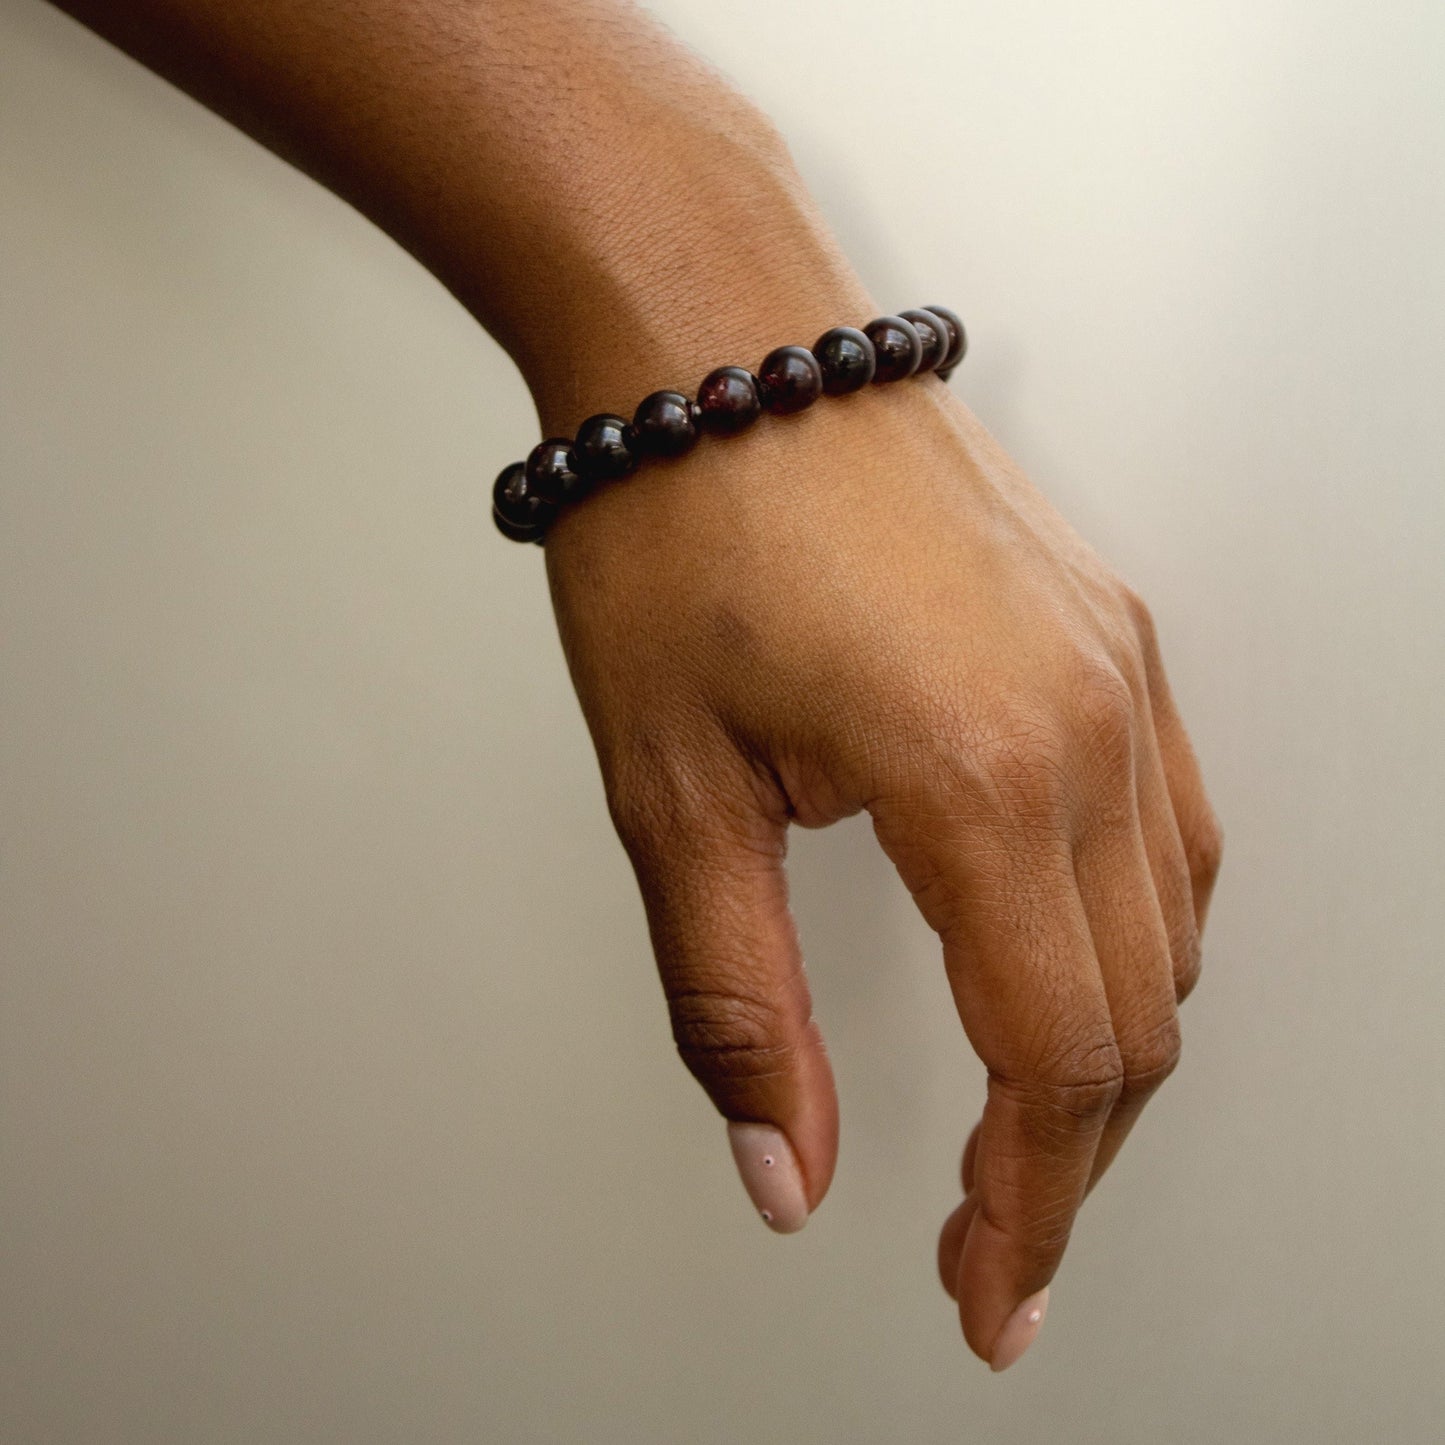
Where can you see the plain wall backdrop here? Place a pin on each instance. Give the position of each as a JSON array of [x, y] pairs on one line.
[[338, 1097]]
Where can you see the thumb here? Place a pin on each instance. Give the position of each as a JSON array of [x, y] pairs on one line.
[[712, 881]]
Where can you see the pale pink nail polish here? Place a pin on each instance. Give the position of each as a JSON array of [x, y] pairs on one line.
[[770, 1174], [1020, 1330]]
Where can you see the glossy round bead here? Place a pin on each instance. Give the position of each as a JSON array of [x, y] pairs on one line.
[[957, 339], [518, 506], [790, 379], [728, 400], [846, 358], [898, 347], [665, 425], [552, 472], [513, 533], [604, 448], [931, 333]]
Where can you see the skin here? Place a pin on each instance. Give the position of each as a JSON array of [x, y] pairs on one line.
[[863, 607]]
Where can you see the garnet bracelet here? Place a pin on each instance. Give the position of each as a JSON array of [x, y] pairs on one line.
[[528, 495]]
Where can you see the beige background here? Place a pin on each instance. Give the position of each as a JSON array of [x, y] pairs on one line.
[[338, 1101]]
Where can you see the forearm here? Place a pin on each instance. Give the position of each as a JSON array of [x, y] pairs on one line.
[[606, 206]]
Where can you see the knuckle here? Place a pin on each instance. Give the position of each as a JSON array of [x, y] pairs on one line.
[[1184, 940], [1142, 620], [1188, 964], [1205, 847], [1149, 1060], [1089, 1099], [1104, 715], [730, 1038], [1083, 1083], [1025, 763]]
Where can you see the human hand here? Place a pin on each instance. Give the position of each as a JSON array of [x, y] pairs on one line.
[[867, 606]]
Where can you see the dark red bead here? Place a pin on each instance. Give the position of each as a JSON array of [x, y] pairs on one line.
[[931, 333], [552, 471], [513, 533], [897, 345], [728, 400], [790, 379], [957, 339], [519, 512], [604, 448], [665, 425], [846, 358]]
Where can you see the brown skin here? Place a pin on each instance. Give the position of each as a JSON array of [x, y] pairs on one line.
[[866, 606]]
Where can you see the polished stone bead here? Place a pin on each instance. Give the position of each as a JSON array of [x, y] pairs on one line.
[[605, 448], [728, 400], [513, 533], [790, 379], [846, 358], [957, 339], [665, 425], [552, 472], [517, 500], [897, 345], [519, 512], [931, 333]]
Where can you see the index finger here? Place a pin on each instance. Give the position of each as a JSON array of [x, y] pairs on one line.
[[1025, 977]]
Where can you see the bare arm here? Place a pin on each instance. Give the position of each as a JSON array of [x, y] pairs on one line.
[[863, 607], [601, 201]]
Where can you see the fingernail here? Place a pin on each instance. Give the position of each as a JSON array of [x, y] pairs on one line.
[[1020, 1330], [770, 1174]]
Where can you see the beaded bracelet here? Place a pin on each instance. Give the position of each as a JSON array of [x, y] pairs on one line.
[[528, 495]]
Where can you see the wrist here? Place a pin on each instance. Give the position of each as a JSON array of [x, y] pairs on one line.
[[654, 285]]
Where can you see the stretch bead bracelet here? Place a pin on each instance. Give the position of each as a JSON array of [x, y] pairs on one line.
[[528, 495]]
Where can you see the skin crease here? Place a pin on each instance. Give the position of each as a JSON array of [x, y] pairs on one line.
[[865, 606]]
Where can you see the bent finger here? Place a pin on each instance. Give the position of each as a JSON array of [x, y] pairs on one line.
[[1116, 883], [1020, 959]]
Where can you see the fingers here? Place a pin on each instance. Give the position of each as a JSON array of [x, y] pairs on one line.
[[1055, 871], [1199, 832], [1135, 961], [1037, 1144], [1021, 961], [1163, 844], [1136, 971], [1135, 885], [950, 1240], [1138, 886], [709, 863]]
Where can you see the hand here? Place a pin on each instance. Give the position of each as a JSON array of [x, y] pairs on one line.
[[867, 606]]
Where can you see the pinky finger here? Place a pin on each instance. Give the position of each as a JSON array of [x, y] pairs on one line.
[[1198, 825], [1199, 828]]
